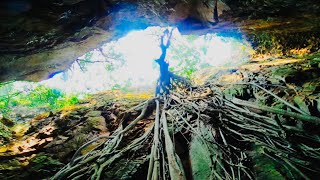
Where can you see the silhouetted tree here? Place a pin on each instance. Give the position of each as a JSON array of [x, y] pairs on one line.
[[167, 79]]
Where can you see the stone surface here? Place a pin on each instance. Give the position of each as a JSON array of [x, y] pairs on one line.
[[93, 114], [98, 123]]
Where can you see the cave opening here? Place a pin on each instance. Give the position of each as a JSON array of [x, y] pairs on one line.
[[128, 65]]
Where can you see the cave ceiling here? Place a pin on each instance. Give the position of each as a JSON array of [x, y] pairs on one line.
[[40, 37]]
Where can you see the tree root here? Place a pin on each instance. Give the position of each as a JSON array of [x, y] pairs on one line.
[[98, 159], [174, 163], [304, 117], [226, 128]]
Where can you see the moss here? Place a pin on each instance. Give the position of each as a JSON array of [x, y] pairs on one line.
[[127, 169], [264, 167], [97, 122], [10, 165], [19, 130], [38, 166], [5, 133], [42, 161]]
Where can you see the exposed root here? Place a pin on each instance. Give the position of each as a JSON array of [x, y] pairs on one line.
[[227, 129], [174, 164], [93, 163]]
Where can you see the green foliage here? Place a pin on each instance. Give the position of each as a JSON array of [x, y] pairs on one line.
[[4, 106], [266, 43], [39, 97], [192, 37], [186, 57], [6, 94], [41, 161], [113, 57], [314, 59], [187, 71], [284, 71], [87, 59], [301, 103], [192, 53]]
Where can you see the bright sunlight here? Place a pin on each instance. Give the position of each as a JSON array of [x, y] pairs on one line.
[[127, 64]]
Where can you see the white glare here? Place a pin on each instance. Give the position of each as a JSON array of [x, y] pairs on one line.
[[130, 61]]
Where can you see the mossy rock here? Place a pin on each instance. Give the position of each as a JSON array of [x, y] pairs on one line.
[[93, 114], [19, 130], [10, 165], [6, 121], [5, 133], [97, 123], [41, 162], [39, 166]]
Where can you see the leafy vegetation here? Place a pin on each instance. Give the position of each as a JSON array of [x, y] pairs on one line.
[[194, 53], [279, 43], [37, 97]]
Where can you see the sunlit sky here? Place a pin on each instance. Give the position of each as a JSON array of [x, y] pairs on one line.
[[132, 58]]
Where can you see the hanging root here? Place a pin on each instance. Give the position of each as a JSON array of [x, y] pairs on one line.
[[227, 128], [173, 161]]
